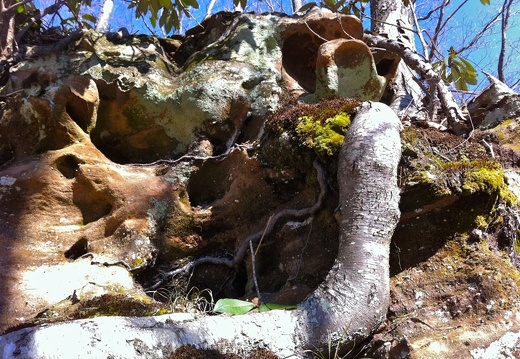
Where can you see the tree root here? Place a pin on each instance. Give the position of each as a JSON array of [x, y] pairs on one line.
[[251, 240]]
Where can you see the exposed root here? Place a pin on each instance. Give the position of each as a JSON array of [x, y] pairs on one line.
[[253, 239]]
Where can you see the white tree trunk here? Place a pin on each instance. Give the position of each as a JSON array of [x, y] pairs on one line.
[[104, 16], [346, 307], [296, 5], [393, 20]]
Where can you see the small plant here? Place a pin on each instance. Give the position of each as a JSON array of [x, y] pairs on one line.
[[456, 69], [237, 306], [181, 299]]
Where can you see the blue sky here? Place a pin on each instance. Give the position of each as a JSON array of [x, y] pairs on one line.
[[464, 25]]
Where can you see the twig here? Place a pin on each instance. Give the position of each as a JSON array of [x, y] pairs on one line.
[[106, 264], [253, 265], [490, 146], [263, 234]]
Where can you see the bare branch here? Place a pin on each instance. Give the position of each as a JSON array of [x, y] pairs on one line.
[[505, 13], [433, 11], [52, 9], [419, 31], [479, 34], [15, 5], [425, 69]]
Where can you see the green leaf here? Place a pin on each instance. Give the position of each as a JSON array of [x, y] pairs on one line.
[[154, 5], [142, 6], [193, 3], [20, 9], [232, 306], [331, 4], [307, 6], [272, 306], [167, 4], [153, 18], [89, 17], [86, 25], [485, 2]]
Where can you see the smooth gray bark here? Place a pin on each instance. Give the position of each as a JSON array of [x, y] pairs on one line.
[[393, 20], [104, 16], [344, 309]]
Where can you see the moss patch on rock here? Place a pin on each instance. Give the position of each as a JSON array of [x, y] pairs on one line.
[[320, 127]]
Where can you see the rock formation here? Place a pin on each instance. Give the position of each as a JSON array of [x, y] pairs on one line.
[[122, 161]]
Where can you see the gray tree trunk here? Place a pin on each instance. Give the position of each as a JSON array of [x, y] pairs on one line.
[[296, 5], [104, 16], [393, 20], [350, 303]]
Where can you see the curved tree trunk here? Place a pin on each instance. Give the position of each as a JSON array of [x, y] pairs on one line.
[[347, 307], [353, 299]]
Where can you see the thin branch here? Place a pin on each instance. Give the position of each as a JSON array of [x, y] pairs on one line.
[[209, 10], [506, 12], [15, 5], [253, 266], [52, 9], [432, 11], [419, 32], [452, 15], [437, 27], [479, 34], [263, 234], [425, 69]]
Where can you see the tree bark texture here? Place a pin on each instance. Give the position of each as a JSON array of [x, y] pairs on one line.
[[425, 69], [350, 303], [104, 16], [7, 27], [353, 299], [393, 20]]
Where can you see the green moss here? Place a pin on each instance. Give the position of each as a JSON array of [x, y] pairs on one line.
[[119, 305], [319, 126], [516, 245], [326, 137], [465, 178], [482, 176], [481, 222]]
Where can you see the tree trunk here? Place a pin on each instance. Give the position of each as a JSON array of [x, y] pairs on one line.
[[393, 20], [506, 12], [296, 5], [353, 299], [104, 16], [7, 27], [346, 307]]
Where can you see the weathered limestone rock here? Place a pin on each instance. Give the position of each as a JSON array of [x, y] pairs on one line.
[[346, 68], [72, 121], [302, 39], [494, 105]]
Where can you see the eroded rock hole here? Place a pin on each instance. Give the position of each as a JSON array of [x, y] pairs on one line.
[[92, 202], [299, 53], [77, 249], [209, 183], [385, 66], [68, 166], [6, 153]]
